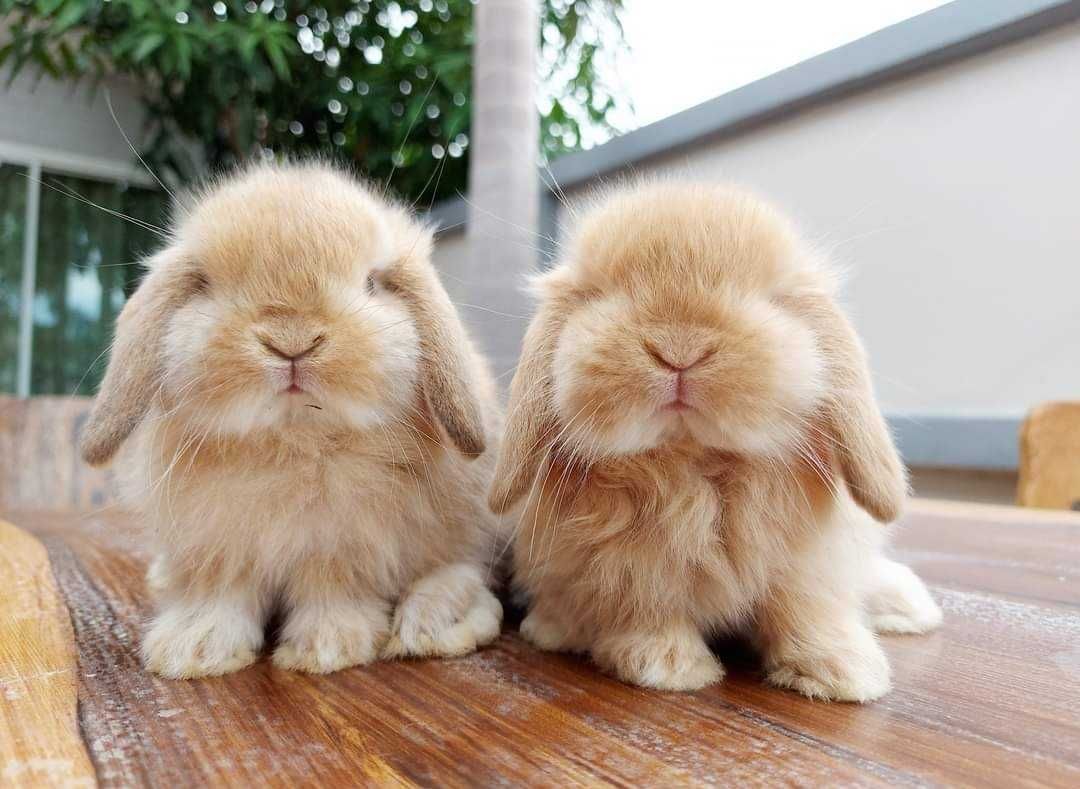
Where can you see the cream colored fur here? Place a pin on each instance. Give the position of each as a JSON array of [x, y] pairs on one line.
[[664, 507], [358, 496]]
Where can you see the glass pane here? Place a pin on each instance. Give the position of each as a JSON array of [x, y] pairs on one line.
[[13, 188], [86, 268]]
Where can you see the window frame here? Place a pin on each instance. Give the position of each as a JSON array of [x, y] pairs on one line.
[[37, 161]]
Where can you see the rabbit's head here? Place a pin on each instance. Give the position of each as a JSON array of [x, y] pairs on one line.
[[289, 297], [690, 313]]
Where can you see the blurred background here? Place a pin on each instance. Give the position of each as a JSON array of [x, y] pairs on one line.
[[931, 147]]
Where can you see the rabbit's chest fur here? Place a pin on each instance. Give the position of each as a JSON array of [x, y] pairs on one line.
[[668, 534], [376, 508]]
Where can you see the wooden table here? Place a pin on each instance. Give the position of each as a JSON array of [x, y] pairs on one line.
[[991, 699]]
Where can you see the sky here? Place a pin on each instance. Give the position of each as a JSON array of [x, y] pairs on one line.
[[684, 52]]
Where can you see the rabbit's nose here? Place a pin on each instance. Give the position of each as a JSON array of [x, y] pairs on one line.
[[289, 351], [677, 361]]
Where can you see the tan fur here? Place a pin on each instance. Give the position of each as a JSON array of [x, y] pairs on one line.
[[334, 502], [646, 530]]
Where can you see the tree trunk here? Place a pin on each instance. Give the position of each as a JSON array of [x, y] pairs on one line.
[[504, 192]]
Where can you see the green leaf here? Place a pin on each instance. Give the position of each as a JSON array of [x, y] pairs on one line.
[[68, 57], [248, 43], [48, 66], [277, 59], [73, 13], [183, 57], [147, 46]]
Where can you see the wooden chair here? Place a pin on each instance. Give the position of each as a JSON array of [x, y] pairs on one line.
[[1050, 457], [40, 466]]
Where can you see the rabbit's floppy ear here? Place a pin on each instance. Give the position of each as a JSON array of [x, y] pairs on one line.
[[135, 363], [863, 445], [531, 421], [444, 361]]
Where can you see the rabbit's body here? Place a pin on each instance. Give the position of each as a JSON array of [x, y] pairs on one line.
[[678, 540], [694, 433], [666, 536], [307, 425], [364, 515], [305, 495]]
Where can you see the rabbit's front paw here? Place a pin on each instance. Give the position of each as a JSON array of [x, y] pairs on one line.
[[447, 614], [676, 659], [856, 670], [204, 639], [322, 638]]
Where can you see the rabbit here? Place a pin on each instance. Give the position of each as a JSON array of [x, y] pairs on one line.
[[302, 424], [694, 448]]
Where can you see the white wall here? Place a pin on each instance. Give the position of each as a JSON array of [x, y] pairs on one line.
[[68, 126], [954, 199]]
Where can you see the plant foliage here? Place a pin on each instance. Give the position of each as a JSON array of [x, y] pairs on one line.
[[384, 83]]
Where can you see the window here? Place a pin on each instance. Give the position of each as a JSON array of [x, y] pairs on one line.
[[12, 218], [86, 268], [86, 264]]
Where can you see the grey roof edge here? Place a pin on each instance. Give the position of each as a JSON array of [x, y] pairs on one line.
[[948, 441], [951, 32]]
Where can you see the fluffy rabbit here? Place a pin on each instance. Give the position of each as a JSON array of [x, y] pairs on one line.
[[693, 429], [304, 424]]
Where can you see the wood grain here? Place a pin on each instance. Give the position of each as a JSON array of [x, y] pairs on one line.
[[41, 467], [39, 737], [1050, 457], [993, 699]]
